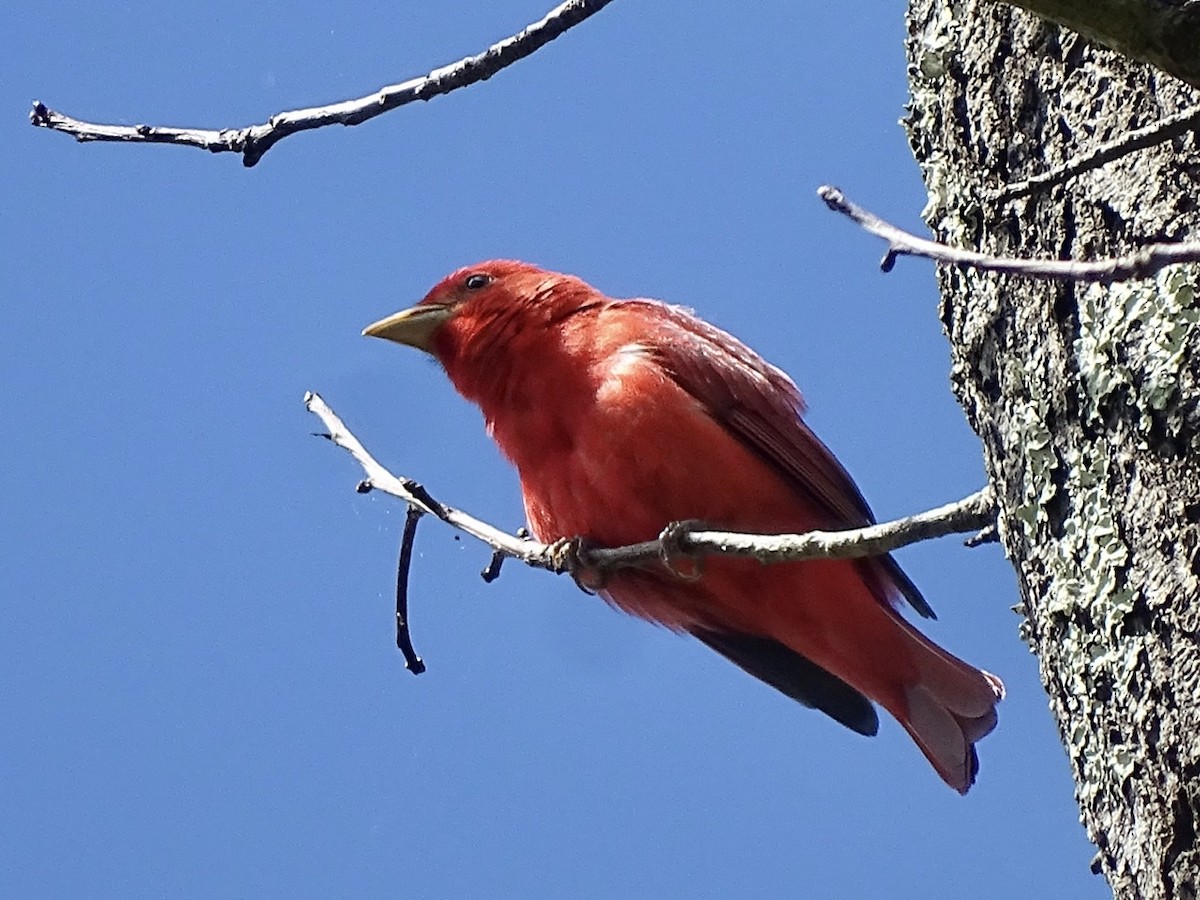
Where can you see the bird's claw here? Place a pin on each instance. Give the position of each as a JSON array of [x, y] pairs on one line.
[[675, 556], [568, 555]]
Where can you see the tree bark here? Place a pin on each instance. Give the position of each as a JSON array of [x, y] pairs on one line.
[[1164, 33], [1086, 399]]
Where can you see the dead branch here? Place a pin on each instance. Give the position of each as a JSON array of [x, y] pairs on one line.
[[1142, 263], [1139, 139], [412, 662], [967, 515], [255, 140]]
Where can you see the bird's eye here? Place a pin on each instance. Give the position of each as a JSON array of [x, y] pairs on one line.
[[477, 281]]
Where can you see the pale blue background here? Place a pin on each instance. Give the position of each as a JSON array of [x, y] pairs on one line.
[[199, 691]]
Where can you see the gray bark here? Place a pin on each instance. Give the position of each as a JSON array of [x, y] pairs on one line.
[[1164, 33], [1086, 399]]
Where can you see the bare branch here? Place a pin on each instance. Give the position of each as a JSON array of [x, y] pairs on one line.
[[967, 515], [989, 534], [1142, 263], [529, 552], [1138, 139], [492, 570], [255, 140], [412, 662]]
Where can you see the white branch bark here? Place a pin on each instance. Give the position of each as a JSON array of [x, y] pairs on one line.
[[255, 140], [967, 515], [1143, 263]]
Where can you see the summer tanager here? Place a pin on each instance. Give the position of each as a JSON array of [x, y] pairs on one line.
[[623, 416]]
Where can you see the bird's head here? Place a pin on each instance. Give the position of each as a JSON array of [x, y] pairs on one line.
[[471, 293], [483, 318]]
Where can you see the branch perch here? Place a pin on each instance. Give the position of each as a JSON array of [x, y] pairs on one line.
[[255, 140], [967, 515], [1142, 263], [1139, 139]]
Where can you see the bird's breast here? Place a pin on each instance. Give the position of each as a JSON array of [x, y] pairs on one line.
[[619, 460]]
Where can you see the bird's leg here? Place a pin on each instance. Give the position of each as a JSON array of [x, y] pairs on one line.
[[675, 555], [569, 554]]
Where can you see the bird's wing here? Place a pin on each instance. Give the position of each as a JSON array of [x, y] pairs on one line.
[[762, 407], [796, 676]]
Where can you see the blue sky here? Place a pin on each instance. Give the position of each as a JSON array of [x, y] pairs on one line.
[[198, 682]]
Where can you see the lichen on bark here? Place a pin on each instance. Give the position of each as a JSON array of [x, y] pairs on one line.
[[1164, 33], [1085, 399]]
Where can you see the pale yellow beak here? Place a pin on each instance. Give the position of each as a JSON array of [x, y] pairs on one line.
[[414, 326]]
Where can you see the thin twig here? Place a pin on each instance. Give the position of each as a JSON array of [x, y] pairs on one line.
[[529, 552], [967, 515], [492, 570], [1138, 139], [255, 140], [989, 534], [412, 662], [1142, 263]]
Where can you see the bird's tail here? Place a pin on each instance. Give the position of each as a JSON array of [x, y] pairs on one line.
[[950, 707]]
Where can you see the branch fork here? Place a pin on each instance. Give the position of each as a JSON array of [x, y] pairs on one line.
[[253, 141], [686, 543]]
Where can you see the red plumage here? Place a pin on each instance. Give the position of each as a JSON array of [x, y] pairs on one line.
[[622, 416]]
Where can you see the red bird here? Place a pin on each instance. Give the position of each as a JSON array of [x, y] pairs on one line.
[[623, 416]]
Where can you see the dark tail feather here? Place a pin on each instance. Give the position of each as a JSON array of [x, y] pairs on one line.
[[796, 676]]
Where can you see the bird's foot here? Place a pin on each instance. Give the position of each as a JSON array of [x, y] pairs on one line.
[[674, 554], [569, 555]]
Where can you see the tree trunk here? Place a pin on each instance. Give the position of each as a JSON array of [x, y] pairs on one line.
[[1164, 33], [1086, 400]]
